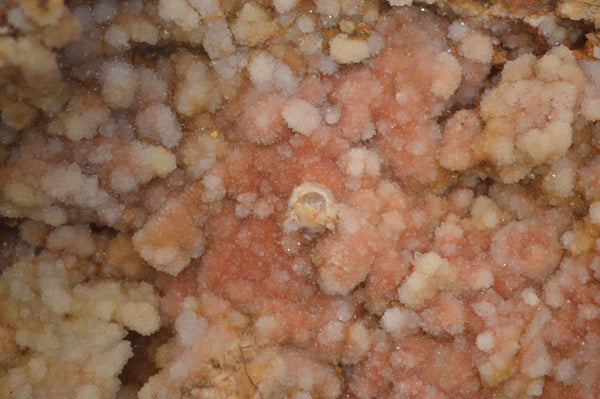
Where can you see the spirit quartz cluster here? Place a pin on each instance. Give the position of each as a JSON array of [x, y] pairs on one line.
[[299, 199]]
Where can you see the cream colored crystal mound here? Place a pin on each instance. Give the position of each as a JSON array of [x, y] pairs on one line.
[[299, 199], [63, 339]]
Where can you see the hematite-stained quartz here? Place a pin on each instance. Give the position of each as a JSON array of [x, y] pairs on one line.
[[299, 199]]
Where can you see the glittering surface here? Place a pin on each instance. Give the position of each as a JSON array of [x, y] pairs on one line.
[[208, 199]]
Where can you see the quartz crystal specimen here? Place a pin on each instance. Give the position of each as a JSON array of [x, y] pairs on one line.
[[299, 199]]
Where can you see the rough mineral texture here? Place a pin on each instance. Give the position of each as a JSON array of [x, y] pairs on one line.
[[299, 199]]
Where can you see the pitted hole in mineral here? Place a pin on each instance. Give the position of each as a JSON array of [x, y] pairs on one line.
[[315, 201], [311, 208]]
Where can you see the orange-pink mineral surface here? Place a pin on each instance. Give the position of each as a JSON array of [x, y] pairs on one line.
[[299, 199]]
